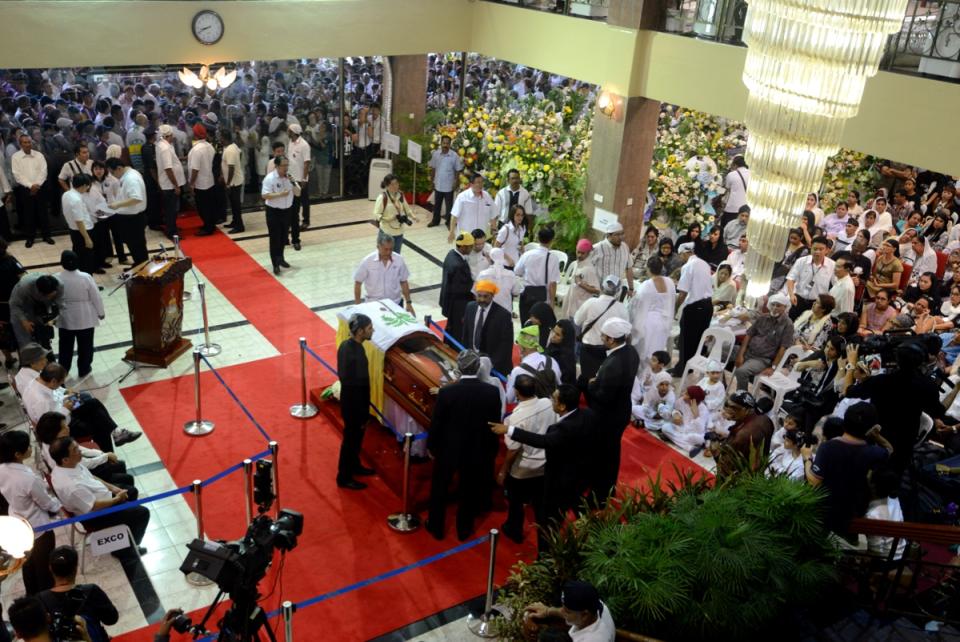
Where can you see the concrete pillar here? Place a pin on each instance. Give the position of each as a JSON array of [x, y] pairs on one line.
[[620, 158], [409, 93], [636, 14]]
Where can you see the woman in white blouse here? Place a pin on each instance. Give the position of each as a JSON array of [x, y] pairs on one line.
[[81, 310], [510, 237]]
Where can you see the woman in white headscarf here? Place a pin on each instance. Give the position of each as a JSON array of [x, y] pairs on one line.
[[509, 285], [923, 256], [651, 311], [813, 205]]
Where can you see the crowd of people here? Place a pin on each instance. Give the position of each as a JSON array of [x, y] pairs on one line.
[[864, 304]]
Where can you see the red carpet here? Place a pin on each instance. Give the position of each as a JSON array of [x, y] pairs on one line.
[[346, 538]]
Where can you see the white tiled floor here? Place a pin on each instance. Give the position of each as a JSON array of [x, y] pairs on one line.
[[321, 276]]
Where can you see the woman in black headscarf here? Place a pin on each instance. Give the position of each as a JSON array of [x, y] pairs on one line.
[[542, 315], [561, 349]]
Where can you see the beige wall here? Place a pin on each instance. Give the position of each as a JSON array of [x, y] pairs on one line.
[[902, 117]]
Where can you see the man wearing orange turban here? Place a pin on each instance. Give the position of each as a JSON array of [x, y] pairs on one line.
[[488, 327]]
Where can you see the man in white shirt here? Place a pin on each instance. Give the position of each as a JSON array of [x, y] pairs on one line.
[[29, 168], [170, 178], [844, 240], [735, 183], [445, 167], [589, 618], [79, 165], [80, 313], [541, 273], [33, 359], [531, 356], [695, 299], [514, 194], [85, 414], [277, 194], [612, 256], [232, 170], [844, 291], [298, 151], [521, 474], [735, 229], [200, 167], [129, 206], [473, 208], [384, 275], [809, 277], [82, 493]]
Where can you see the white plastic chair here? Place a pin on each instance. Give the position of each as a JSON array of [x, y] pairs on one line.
[[724, 342], [562, 257], [926, 427], [780, 383]]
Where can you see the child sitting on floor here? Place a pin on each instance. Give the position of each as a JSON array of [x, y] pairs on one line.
[[884, 505], [657, 408], [659, 361], [689, 421]]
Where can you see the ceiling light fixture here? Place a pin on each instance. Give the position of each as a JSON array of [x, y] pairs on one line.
[[220, 80]]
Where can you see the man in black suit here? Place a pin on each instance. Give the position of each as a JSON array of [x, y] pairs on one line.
[[567, 445], [456, 285], [460, 442], [609, 396], [488, 328]]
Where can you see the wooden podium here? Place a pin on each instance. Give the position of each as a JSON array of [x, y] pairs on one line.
[[155, 301]]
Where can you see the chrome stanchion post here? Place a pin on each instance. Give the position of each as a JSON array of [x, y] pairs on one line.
[[195, 578], [176, 246], [275, 470], [208, 349], [248, 488], [481, 626], [303, 410], [199, 426], [289, 608], [404, 521]]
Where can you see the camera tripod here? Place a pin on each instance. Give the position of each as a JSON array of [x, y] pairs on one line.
[[242, 621]]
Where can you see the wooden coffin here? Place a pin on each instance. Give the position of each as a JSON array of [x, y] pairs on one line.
[[411, 367]]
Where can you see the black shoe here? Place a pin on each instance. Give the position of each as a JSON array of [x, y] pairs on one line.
[[305, 226], [29, 243], [283, 264], [696, 450], [363, 471], [296, 245], [463, 535], [351, 484], [84, 375], [142, 550], [106, 264], [511, 534], [237, 230], [49, 241], [155, 228], [204, 233], [125, 261], [99, 271], [433, 223], [276, 270], [436, 533], [123, 436]]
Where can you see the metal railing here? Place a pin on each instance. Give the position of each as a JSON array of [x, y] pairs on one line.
[[590, 9], [928, 44]]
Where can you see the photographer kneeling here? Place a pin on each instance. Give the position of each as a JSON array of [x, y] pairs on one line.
[[32, 623], [68, 599]]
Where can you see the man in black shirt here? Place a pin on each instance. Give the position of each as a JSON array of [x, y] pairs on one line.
[[354, 400], [69, 598], [843, 465]]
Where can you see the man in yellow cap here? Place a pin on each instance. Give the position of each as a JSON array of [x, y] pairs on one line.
[[488, 328], [456, 285], [532, 360]]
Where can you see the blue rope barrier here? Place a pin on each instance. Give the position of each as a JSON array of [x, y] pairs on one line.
[[237, 399], [145, 500], [460, 347], [386, 422]]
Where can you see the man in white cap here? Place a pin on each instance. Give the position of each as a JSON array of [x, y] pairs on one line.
[[609, 396], [589, 319], [170, 177], [298, 151], [612, 256], [765, 342], [695, 299]]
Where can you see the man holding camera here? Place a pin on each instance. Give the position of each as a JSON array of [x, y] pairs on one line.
[[68, 599], [33, 308]]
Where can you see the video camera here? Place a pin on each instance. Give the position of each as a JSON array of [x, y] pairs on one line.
[[63, 623]]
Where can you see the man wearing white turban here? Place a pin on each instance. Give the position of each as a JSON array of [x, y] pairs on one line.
[[609, 396], [766, 340]]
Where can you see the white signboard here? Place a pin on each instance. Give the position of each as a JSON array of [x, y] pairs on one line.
[[111, 539], [414, 151], [390, 142], [602, 219]]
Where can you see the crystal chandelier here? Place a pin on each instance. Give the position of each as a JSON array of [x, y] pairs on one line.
[[220, 80], [806, 67]]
